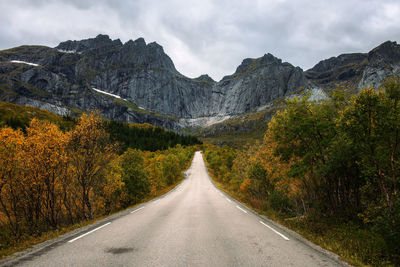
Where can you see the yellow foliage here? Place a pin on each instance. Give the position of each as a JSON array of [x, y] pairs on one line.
[[244, 187]]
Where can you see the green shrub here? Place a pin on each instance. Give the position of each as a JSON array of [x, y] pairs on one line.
[[281, 203], [388, 226]]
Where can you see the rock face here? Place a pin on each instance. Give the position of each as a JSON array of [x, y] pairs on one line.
[[358, 70], [138, 82], [146, 76], [143, 76], [255, 83], [341, 68]]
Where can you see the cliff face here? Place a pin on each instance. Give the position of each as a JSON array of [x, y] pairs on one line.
[[358, 70], [138, 82], [140, 79], [255, 83], [146, 76]]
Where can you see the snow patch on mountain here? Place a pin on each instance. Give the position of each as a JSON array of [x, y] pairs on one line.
[[68, 51], [24, 62], [107, 93]]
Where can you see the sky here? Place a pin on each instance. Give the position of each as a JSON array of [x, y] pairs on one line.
[[210, 36]]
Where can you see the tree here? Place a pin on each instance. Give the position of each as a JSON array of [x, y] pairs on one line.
[[11, 158], [372, 124], [45, 169], [90, 151], [134, 176]]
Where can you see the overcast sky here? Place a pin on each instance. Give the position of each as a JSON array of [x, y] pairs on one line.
[[210, 36]]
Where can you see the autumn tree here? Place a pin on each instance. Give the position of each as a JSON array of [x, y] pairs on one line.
[[11, 160], [372, 124], [45, 170], [90, 151], [110, 192], [134, 176]]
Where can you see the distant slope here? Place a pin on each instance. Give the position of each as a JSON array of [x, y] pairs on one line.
[[358, 70], [128, 135], [146, 136], [17, 116]]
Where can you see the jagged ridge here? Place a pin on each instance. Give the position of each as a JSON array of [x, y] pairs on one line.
[[152, 90]]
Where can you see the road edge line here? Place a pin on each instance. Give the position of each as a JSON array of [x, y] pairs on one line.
[[87, 233], [49, 244], [292, 233]]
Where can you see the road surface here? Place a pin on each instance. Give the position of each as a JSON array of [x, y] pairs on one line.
[[194, 225]]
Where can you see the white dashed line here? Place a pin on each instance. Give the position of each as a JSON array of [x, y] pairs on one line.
[[241, 209], [76, 238], [228, 199], [137, 210], [284, 237]]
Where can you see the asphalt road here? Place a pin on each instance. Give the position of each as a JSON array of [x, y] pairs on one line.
[[194, 225]]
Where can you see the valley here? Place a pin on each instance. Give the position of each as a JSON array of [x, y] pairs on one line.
[[91, 128]]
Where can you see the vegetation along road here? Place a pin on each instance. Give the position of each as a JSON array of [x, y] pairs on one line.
[[194, 225]]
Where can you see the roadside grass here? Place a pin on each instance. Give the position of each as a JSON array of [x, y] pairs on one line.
[[354, 245]]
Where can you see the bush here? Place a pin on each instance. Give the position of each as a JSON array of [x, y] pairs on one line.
[[281, 203], [388, 226], [135, 178]]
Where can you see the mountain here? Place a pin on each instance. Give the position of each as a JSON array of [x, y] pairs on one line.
[[355, 71], [358, 70], [138, 82], [142, 82]]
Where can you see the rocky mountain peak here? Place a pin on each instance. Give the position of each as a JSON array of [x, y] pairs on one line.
[[83, 46], [155, 46], [205, 78], [117, 42], [357, 69], [250, 64], [337, 62], [140, 42], [269, 59], [388, 52], [102, 38], [131, 54], [245, 65]]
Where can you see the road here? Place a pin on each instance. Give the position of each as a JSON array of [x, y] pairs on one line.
[[194, 225]]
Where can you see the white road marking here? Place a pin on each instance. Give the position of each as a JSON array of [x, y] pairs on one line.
[[137, 210], [284, 237], [228, 199], [76, 238], [241, 209], [221, 194]]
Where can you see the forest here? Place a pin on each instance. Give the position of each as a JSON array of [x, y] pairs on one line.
[[146, 136], [52, 178], [328, 169]]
